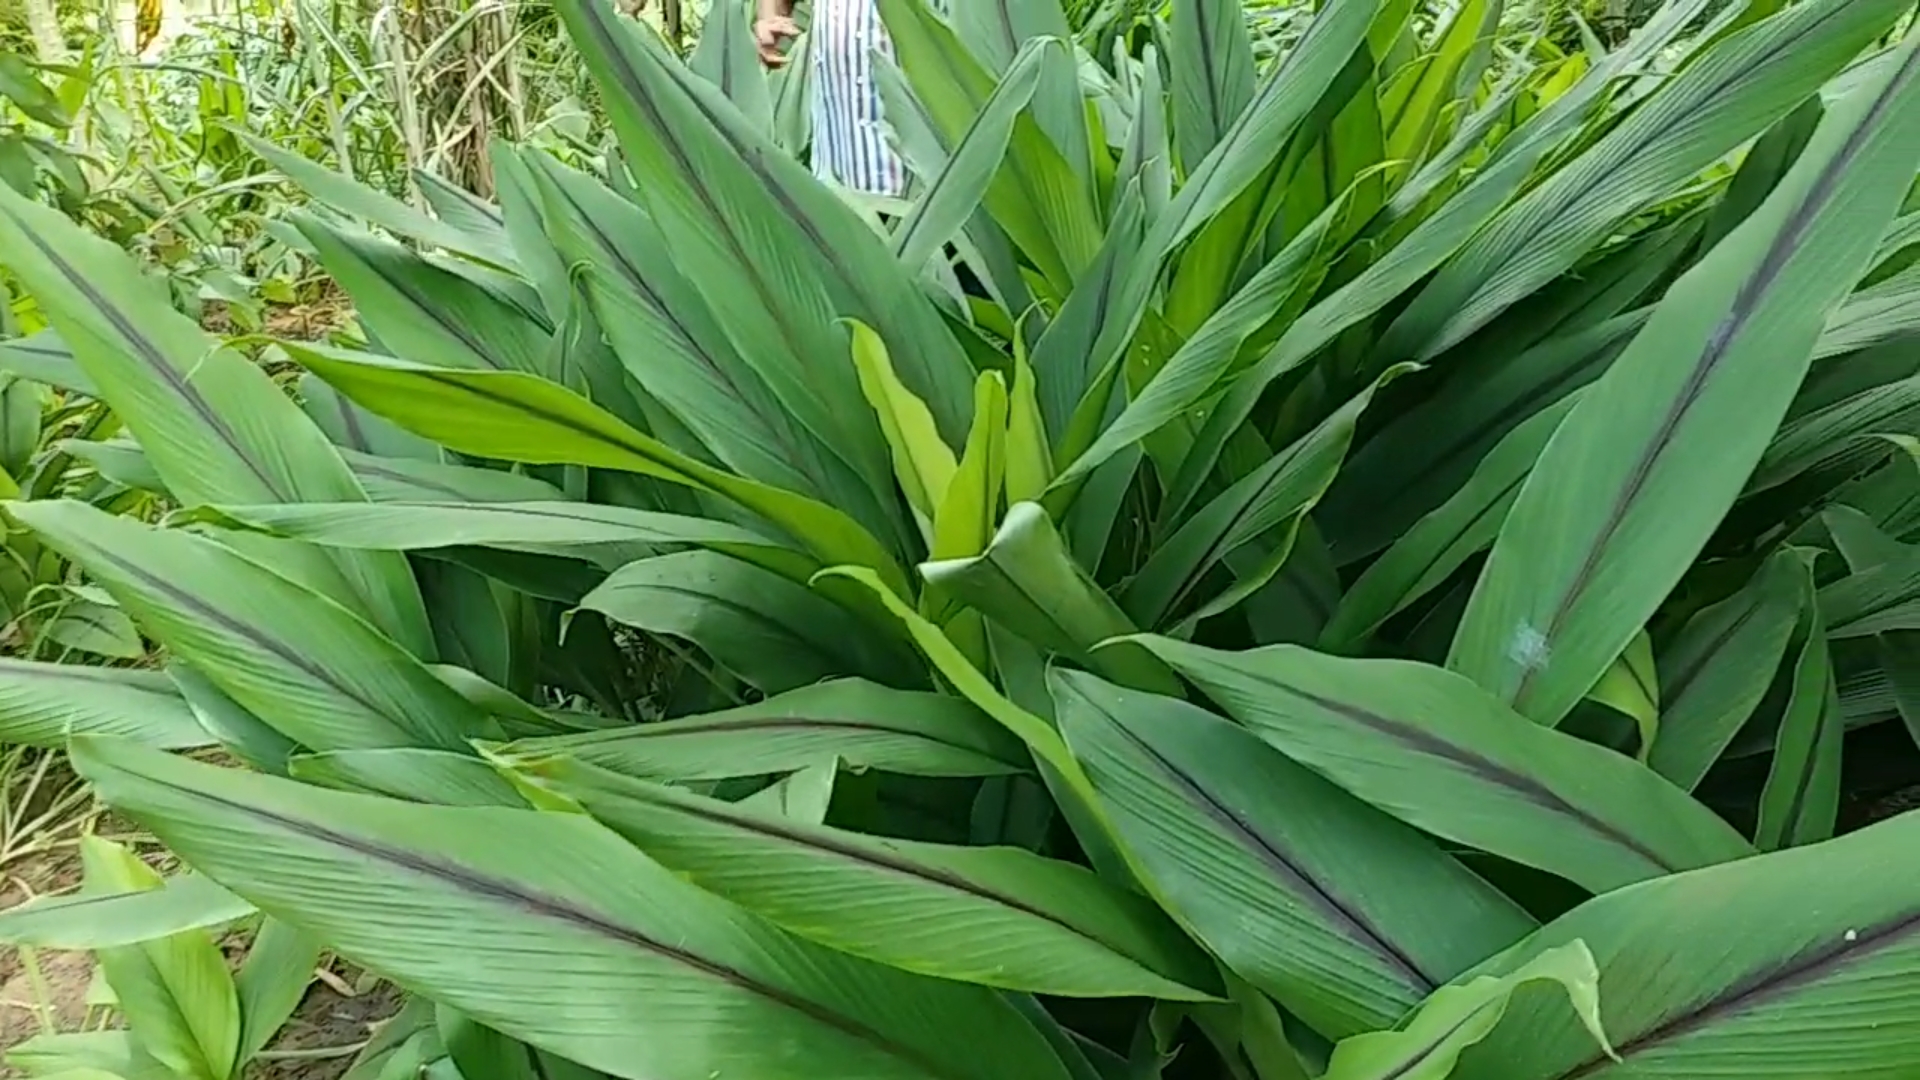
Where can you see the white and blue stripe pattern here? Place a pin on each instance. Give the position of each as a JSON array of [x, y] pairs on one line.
[[849, 142]]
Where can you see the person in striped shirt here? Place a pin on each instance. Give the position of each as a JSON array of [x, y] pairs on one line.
[[849, 142]]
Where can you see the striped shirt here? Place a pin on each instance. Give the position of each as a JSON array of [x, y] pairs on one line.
[[849, 141]]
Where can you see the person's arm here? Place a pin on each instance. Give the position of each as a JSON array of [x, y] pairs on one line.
[[773, 22]]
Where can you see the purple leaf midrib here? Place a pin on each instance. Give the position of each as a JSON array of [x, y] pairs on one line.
[[1760, 987], [280, 650], [1752, 290], [580, 917], [1485, 769], [1339, 913], [156, 362]]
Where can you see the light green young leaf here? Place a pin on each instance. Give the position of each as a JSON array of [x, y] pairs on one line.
[[271, 982], [103, 920], [1428, 1045], [175, 990]]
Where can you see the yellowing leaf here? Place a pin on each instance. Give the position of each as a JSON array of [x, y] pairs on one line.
[[922, 462]]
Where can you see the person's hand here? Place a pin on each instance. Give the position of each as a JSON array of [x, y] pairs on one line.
[[768, 32]]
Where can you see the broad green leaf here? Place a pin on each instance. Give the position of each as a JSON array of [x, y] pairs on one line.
[[1039, 736], [240, 733], [100, 629], [175, 990], [42, 704], [1880, 313], [1076, 358], [1260, 133], [1211, 55], [634, 971], [104, 920], [1801, 800], [1147, 156], [1345, 915], [1427, 454], [22, 86], [997, 916], [1029, 451], [119, 460], [518, 417], [1058, 769], [1730, 94], [1632, 687], [461, 208], [995, 34], [1761, 168], [1878, 599], [1410, 261], [1647, 464], [481, 1053], [359, 434], [865, 725], [1027, 581], [421, 311], [87, 1055], [1437, 752], [327, 678], [1718, 668], [1428, 554], [1837, 436], [1429, 1044], [1790, 964], [771, 632], [804, 796], [922, 461], [213, 424]]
